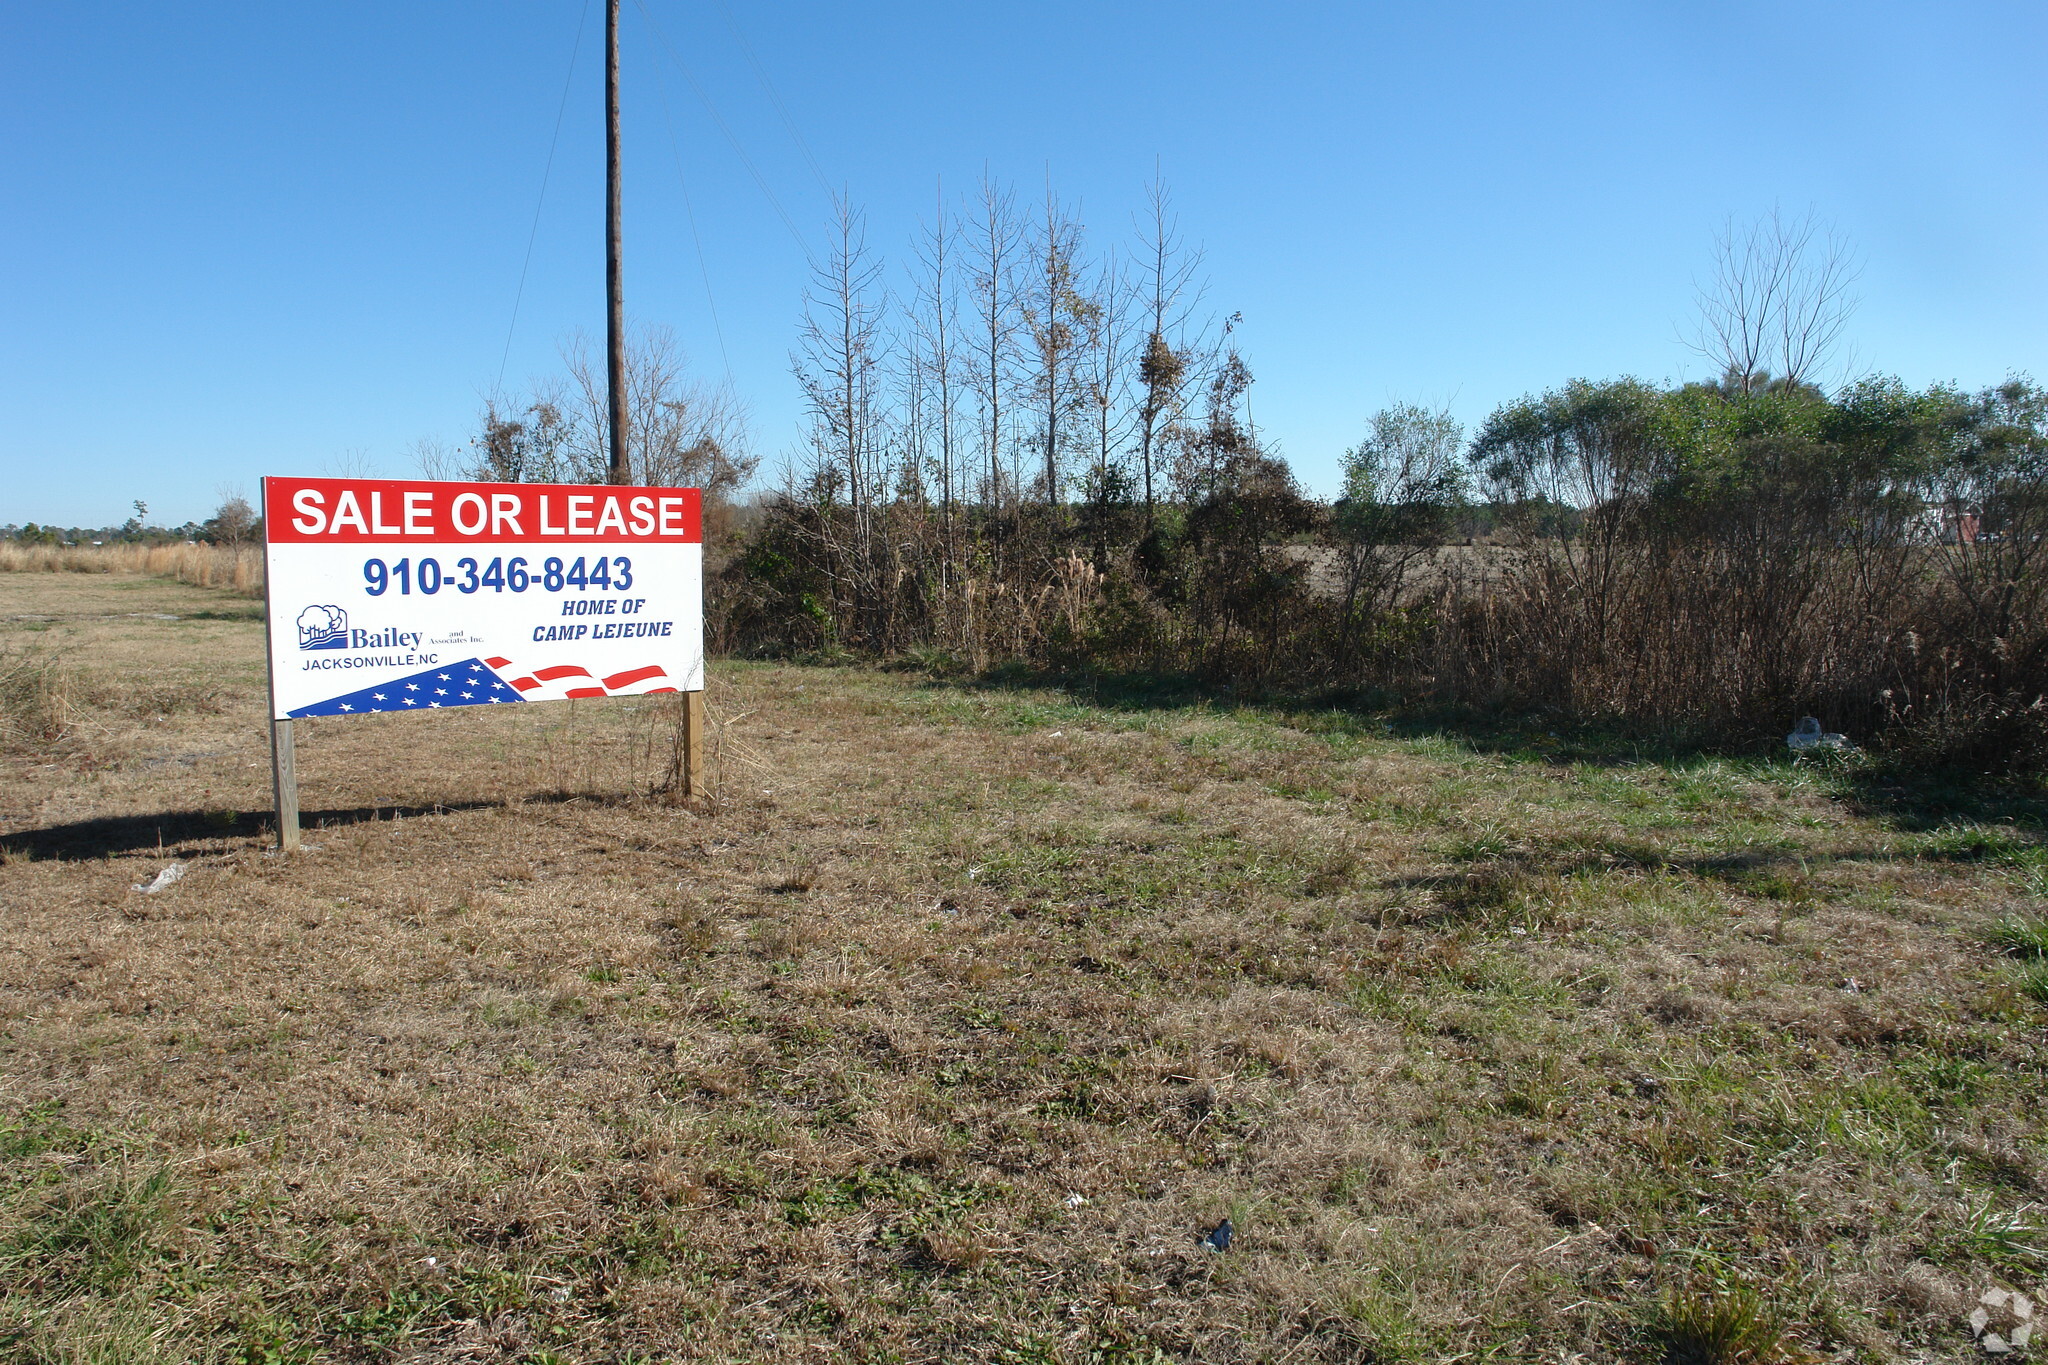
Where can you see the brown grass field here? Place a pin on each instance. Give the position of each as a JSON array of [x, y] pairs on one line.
[[238, 570], [957, 1016]]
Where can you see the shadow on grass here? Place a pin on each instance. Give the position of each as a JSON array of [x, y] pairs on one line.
[[1784, 875], [1922, 801], [1533, 738], [190, 832], [1874, 785]]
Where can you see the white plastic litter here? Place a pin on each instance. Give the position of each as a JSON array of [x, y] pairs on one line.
[[1808, 735], [2021, 1311], [163, 879]]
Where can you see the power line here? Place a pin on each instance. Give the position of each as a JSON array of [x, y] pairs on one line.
[[534, 232], [712, 110], [774, 97], [703, 269], [690, 211]]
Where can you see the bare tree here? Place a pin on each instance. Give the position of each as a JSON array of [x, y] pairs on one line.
[[234, 521], [993, 245], [353, 463], [907, 434], [1105, 374], [935, 329], [839, 363], [678, 433], [1778, 303], [438, 460], [1167, 354], [1060, 320]]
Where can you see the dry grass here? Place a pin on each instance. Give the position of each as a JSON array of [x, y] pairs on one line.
[[35, 702], [239, 571], [958, 1016]]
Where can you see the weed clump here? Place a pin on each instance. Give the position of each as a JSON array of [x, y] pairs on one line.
[[37, 699], [1732, 1325], [2021, 936], [2034, 983]]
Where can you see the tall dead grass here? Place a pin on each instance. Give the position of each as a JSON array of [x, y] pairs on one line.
[[236, 569], [36, 699]]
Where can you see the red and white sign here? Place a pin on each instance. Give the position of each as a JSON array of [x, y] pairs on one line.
[[399, 595]]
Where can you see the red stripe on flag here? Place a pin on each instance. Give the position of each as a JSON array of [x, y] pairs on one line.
[[560, 671], [584, 692], [633, 675], [656, 691], [525, 684], [496, 663]]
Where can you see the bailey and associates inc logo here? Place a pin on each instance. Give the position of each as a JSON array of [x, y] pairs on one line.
[[323, 628]]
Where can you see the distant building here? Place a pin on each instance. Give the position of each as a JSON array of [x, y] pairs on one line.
[[1946, 526]]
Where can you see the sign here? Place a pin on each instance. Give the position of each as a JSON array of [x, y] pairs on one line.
[[390, 595]]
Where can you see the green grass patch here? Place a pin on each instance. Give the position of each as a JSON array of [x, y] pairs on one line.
[[2021, 936]]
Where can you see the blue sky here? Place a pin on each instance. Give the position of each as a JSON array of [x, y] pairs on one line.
[[242, 239]]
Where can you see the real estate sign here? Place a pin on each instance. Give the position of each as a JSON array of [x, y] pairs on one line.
[[392, 595]]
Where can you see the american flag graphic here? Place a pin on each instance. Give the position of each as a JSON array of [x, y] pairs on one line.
[[486, 682]]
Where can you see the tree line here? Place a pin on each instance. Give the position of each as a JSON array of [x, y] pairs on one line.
[[234, 524], [1028, 447]]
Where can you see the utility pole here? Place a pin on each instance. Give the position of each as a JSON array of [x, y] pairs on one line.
[[615, 331], [690, 730]]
